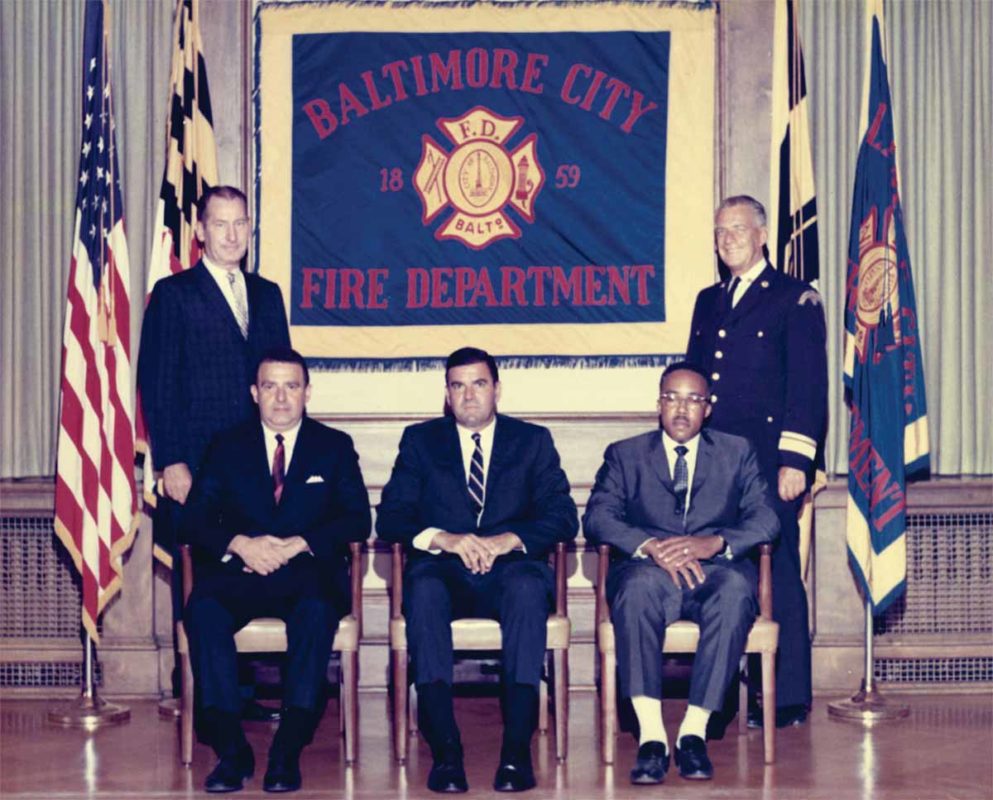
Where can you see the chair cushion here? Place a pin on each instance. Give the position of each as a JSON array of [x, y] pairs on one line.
[[684, 636], [475, 633], [268, 635]]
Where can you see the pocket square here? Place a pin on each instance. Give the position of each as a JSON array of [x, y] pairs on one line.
[[315, 479]]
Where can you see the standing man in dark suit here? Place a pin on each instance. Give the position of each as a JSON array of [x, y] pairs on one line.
[[760, 336], [204, 332], [479, 499], [683, 510], [270, 516]]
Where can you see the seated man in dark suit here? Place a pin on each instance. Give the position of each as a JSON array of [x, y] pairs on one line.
[[479, 499], [270, 516], [682, 510]]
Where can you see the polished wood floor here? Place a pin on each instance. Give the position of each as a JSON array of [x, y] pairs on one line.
[[943, 751]]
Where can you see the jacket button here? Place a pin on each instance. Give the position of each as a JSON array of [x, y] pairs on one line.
[[713, 399], [718, 354], [761, 334], [715, 376], [768, 419], [722, 333]]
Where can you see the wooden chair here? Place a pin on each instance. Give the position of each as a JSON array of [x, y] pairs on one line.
[[683, 637], [474, 633], [268, 635]]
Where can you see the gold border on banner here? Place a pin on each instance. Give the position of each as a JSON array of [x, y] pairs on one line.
[[689, 207]]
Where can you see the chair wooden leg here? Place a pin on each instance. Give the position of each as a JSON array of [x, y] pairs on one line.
[[608, 707], [743, 696], [769, 706], [399, 670], [560, 674], [543, 705], [186, 710], [350, 707]]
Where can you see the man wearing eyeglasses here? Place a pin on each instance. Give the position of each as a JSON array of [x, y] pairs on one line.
[[761, 338], [682, 509]]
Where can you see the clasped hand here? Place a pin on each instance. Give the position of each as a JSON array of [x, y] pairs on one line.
[[478, 553], [680, 556], [265, 554]]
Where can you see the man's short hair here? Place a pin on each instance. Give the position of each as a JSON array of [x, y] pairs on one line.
[[283, 355], [472, 355], [744, 200], [685, 366], [224, 193]]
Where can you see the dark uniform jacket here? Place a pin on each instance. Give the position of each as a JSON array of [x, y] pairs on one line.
[[767, 362]]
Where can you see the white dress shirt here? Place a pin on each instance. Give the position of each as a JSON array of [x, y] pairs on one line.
[[423, 540], [289, 442], [746, 280], [669, 445], [220, 276]]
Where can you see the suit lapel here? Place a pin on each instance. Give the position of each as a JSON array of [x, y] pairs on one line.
[[754, 296], [704, 456], [258, 469], [660, 463]]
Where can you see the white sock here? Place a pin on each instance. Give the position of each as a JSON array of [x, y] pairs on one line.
[[694, 723], [648, 710]]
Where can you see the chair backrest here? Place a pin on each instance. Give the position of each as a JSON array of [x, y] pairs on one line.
[[602, 612], [355, 576], [557, 558]]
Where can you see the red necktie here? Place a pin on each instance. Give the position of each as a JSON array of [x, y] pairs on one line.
[[278, 468]]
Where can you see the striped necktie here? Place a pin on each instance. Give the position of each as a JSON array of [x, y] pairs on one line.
[[278, 469], [476, 484], [240, 303]]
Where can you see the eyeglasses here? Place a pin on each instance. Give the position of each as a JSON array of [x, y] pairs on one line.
[[673, 399]]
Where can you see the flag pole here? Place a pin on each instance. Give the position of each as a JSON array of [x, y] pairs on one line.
[[868, 705], [89, 711]]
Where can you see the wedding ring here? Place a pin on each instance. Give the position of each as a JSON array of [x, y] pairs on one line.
[[686, 551]]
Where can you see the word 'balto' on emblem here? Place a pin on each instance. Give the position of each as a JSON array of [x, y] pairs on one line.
[[479, 178]]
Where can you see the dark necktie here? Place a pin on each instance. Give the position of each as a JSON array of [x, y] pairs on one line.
[[476, 484], [681, 479], [278, 468], [731, 290]]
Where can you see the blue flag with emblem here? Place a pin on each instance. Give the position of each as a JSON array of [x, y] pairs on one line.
[[884, 377]]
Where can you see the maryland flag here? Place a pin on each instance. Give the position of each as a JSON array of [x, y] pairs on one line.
[[793, 206], [884, 373], [95, 495], [191, 167]]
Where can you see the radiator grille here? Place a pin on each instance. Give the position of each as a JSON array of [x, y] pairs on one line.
[[934, 670], [39, 586], [949, 577], [46, 674]]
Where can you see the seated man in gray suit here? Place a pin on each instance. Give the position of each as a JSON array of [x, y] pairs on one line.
[[682, 511]]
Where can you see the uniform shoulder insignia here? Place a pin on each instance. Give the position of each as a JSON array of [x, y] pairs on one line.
[[809, 296]]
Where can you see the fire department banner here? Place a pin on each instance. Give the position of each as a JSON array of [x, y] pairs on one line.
[[536, 178]]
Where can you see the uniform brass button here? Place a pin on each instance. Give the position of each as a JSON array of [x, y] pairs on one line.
[[768, 419], [761, 334], [713, 399], [722, 333], [718, 354], [715, 376]]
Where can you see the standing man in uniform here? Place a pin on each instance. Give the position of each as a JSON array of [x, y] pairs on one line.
[[478, 499], [760, 335], [204, 332]]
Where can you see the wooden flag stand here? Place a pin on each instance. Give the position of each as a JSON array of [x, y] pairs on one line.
[[89, 711], [867, 705]]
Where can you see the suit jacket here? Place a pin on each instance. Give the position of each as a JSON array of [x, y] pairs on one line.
[[324, 498], [526, 490], [634, 498], [767, 361], [194, 368]]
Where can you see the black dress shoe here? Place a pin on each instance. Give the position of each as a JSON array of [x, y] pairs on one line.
[[652, 764], [447, 772], [514, 776], [231, 771], [692, 759], [283, 773], [252, 711], [786, 716]]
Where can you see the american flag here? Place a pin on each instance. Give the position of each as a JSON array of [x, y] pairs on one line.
[[793, 207], [95, 496], [191, 167], [884, 372]]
